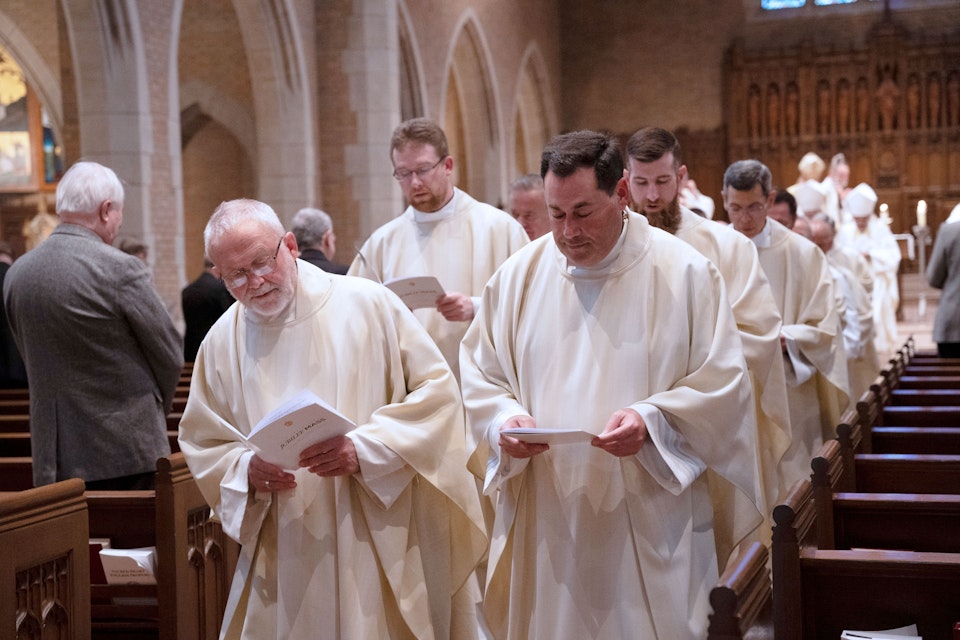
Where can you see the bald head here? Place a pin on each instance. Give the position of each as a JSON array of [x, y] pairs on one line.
[[801, 226], [822, 232]]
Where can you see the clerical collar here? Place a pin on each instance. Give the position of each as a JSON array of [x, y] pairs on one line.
[[444, 212], [604, 264], [762, 239]]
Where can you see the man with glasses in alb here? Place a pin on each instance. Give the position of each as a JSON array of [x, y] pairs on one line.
[[443, 233]]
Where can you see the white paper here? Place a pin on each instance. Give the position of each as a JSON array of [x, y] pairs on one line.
[[302, 421], [417, 293], [550, 436], [902, 633], [130, 566]]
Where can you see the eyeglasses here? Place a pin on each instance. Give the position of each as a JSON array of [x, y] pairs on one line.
[[422, 172], [260, 268]]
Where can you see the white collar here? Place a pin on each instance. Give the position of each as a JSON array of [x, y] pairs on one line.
[[762, 239], [443, 213], [604, 264]]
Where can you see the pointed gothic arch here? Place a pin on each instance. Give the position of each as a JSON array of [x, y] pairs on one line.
[[534, 117], [471, 120], [412, 89], [287, 167], [38, 74]]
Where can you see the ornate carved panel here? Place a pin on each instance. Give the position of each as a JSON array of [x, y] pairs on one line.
[[42, 592], [892, 106]]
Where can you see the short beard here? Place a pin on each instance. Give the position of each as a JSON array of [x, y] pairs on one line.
[[668, 218]]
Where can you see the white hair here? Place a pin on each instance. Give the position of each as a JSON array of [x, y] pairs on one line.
[[85, 186], [230, 213]]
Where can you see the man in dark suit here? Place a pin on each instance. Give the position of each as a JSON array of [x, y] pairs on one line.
[[944, 273], [313, 230], [102, 354], [13, 375], [203, 301]]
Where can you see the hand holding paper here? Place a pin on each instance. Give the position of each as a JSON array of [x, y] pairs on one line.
[[418, 292], [302, 421]]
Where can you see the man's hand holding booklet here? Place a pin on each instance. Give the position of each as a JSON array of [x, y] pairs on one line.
[[296, 424]]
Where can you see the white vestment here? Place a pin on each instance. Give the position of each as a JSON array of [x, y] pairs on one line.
[[461, 249], [586, 544], [758, 320], [815, 361], [884, 257], [851, 271], [362, 556]]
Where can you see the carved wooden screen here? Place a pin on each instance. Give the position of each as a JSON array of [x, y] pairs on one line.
[[892, 106]]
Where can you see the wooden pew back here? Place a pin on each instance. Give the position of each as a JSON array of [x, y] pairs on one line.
[[195, 559], [45, 562], [742, 597]]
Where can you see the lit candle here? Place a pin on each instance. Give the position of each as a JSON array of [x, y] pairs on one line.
[[922, 213], [884, 211]]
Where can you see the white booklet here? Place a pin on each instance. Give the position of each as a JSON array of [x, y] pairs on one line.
[[903, 633], [550, 436], [418, 292], [301, 421], [130, 566]]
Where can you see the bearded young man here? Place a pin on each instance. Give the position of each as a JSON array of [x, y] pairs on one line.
[[655, 171]]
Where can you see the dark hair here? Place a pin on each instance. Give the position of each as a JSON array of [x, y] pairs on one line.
[[568, 152], [744, 175], [782, 195], [420, 131], [652, 143]]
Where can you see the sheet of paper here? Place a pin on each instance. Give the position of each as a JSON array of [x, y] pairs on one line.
[[903, 633], [417, 293], [550, 436], [296, 424]]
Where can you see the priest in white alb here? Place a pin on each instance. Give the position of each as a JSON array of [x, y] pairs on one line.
[[812, 339], [855, 280], [655, 171], [615, 328], [377, 533], [444, 233]]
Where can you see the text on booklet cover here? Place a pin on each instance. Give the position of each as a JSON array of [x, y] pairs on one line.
[[418, 292], [304, 420]]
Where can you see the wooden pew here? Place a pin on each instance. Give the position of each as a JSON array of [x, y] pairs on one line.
[[742, 600], [195, 559], [901, 472], [819, 592], [906, 473], [930, 382], [45, 563], [18, 444], [924, 397], [16, 473], [874, 589], [14, 394], [926, 440], [918, 416], [904, 521], [14, 423]]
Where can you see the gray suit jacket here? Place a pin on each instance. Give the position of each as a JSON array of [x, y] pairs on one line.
[[943, 272], [102, 356]]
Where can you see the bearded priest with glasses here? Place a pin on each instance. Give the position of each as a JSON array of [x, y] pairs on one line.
[[357, 540]]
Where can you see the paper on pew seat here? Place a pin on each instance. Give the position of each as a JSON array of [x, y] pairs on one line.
[[903, 633], [130, 566]]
